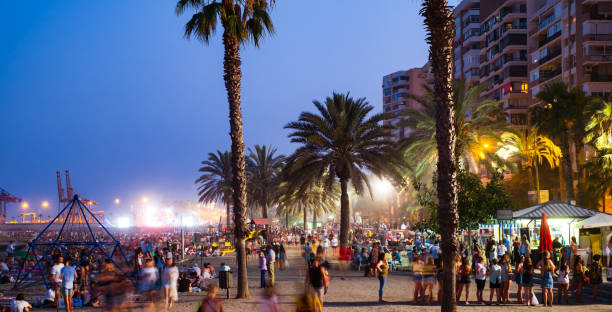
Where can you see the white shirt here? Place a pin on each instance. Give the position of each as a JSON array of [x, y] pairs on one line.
[[334, 242], [56, 271], [481, 271], [19, 305], [501, 250]]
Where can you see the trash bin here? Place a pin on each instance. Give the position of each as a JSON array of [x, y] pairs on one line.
[[225, 281]]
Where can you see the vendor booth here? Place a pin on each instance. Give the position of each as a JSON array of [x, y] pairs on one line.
[[596, 235], [563, 219]]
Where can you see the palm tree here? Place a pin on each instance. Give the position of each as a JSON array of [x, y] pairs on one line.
[[553, 119], [477, 125], [440, 26], [243, 21], [341, 142], [599, 179], [530, 149], [264, 175], [599, 128], [215, 183]]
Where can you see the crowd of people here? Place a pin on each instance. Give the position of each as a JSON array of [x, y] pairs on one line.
[[152, 279]]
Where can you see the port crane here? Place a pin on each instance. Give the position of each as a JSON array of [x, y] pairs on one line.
[[65, 196], [6, 198]]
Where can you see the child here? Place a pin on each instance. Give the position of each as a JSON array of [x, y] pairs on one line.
[[211, 303]]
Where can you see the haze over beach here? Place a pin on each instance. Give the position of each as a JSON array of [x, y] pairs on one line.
[[114, 93]]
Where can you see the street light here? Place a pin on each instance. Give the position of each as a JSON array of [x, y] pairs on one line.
[[384, 187], [45, 204], [117, 201], [145, 199], [25, 205]]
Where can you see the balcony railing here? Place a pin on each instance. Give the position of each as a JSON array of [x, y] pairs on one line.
[[550, 56], [601, 17], [599, 37], [549, 39], [601, 78], [546, 75], [599, 57]]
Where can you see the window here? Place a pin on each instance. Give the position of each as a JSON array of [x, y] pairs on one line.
[[524, 87], [387, 91]]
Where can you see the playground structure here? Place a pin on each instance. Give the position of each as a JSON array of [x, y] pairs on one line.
[[80, 228], [6, 198]]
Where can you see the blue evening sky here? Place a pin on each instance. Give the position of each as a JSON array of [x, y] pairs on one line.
[[113, 92]]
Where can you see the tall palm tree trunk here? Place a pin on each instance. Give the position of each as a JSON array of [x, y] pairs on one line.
[[345, 213], [567, 169], [305, 218], [232, 76], [537, 180], [440, 25], [579, 175], [314, 219], [264, 211], [227, 217]]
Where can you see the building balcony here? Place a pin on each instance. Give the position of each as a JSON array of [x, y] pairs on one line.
[[598, 78], [549, 74], [599, 17], [546, 40], [598, 37], [601, 58], [552, 55]]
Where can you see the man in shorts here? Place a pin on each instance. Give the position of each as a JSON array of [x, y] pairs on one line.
[[68, 275], [56, 280]]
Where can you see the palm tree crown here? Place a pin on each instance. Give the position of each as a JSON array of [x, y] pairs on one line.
[[341, 143], [244, 20], [215, 183], [477, 125], [264, 169]]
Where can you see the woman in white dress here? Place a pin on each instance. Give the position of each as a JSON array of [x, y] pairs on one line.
[[169, 283]]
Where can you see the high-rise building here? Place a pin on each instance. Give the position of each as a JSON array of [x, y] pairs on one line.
[[396, 87], [503, 56], [466, 45], [571, 41]]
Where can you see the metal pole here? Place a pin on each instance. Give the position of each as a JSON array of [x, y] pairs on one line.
[[182, 243]]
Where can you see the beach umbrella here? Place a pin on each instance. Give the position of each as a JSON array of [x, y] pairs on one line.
[[545, 238]]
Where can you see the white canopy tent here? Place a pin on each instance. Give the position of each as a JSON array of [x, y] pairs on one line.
[[598, 220]]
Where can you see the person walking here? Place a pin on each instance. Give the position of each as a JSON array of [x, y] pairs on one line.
[[595, 275], [579, 278], [481, 278], [382, 268], [527, 273], [506, 277], [495, 281], [525, 249], [563, 280], [68, 275], [417, 277], [429, 279], [263, 268], [170, 283], [270, 262], [210, 302], [546, 267], [315, 279], [56, 271], [518, 278], [464, 280]]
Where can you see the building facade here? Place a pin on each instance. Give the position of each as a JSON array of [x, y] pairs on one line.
[[503, 57], [571, 41], [466, 45], [396, 87]]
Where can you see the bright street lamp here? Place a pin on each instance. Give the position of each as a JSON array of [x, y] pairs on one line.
[[145, 199], [25, 205], [117, 201], [45, 204]]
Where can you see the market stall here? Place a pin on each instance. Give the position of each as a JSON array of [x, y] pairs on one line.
[[598, 230]]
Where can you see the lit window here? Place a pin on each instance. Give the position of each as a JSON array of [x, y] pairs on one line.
[[524, 87]]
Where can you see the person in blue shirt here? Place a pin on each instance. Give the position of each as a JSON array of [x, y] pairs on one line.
[[506, 242], [435, 252], [68, 275]]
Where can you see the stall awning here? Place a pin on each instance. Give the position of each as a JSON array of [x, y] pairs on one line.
[[598, 220], [261, 221], [554, 209]]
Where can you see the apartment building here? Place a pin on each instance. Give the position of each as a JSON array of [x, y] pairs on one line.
[[503, 56], [397, 86], [571, 41], [466, 45]]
